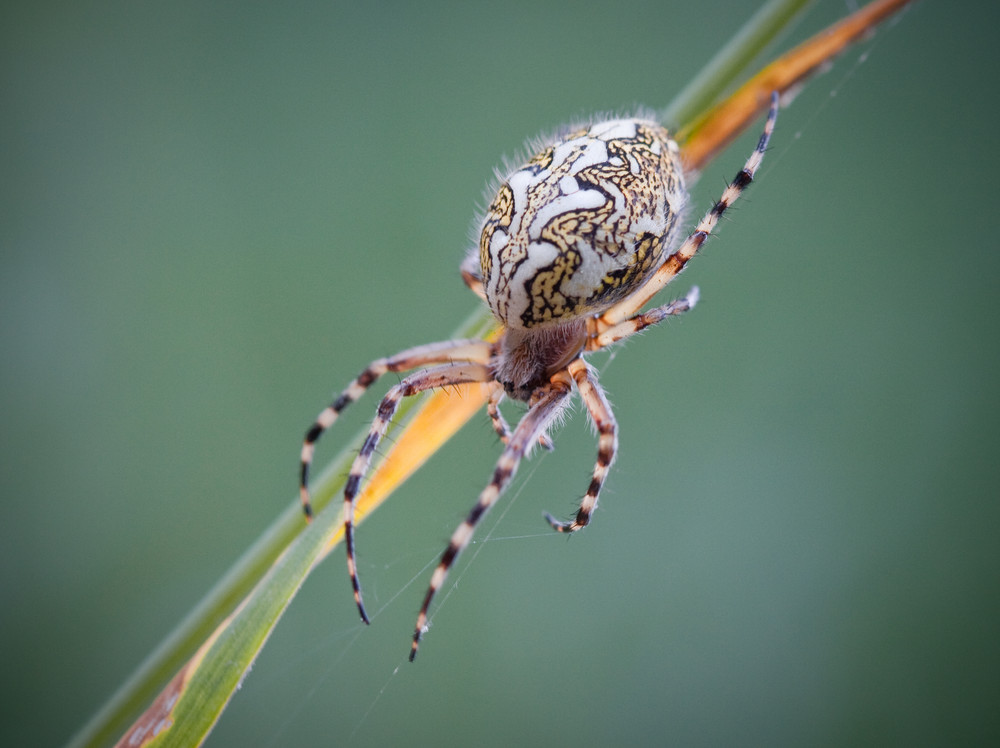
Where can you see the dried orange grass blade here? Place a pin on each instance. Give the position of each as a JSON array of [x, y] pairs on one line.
[[712, 131]]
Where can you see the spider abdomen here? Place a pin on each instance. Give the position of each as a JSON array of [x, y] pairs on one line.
[[582, 224]]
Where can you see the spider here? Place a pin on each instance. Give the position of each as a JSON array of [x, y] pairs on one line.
[[573, 245]]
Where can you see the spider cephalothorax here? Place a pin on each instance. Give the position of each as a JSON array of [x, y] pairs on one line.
[[573, 245]]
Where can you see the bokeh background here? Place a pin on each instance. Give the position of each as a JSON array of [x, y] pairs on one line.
[[213, 215]]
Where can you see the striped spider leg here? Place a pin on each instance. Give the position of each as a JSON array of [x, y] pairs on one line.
[[501, 427], [545, 405], [467, 361]]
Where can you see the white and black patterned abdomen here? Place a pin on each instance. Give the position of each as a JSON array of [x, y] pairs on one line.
[[582, 224]]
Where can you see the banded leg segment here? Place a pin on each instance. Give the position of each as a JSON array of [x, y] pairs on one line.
[[607, 444], [676, 262], [544, 408], [496, 417], [641, 321], [429, 379], [472, 351], [500, 424]]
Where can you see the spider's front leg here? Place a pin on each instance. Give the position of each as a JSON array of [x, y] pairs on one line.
[[429, 379], [472, 351], [607, 443], [471, 364], [545, 406]]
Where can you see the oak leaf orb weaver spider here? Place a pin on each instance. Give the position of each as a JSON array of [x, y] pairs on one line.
[[573, 245]]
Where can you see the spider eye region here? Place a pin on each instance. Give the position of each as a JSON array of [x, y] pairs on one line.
[[582, 224]]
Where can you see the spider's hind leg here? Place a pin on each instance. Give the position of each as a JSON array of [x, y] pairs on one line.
[[675, 263], [641, 321], [607, 443]]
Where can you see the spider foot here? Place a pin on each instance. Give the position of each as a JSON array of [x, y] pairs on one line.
[[421, 628], [361, 609], [307, 509], [559, 526]]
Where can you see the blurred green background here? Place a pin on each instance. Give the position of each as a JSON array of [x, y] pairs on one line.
[[213, 215]]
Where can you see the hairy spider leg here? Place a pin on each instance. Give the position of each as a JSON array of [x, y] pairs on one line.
[[546, 404], [641, 321], [471, 351], [420, 381], [496, 417], [500, 424], [673, 265], [607, 442]]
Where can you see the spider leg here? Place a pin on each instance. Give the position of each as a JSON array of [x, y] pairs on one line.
[[675, 263], [500, 425], [545, 406], [473, 276], [428, 379], [496, 417], [641, 321], [473, 351], [607, 443]]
